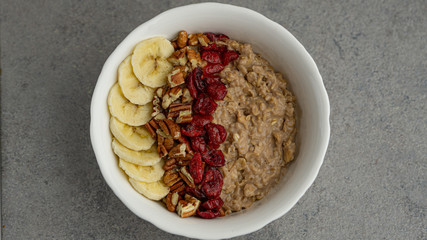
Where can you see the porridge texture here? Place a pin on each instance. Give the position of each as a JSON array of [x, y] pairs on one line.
[[259, 116]]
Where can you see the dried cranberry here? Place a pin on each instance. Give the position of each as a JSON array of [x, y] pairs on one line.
[[195, 192], [216, 48], [196, 168], [198, 144], [217, 91], [201, 120], [210, 79], [213, 68], [208, 214], [212, 204], [198, 81], [212, 183], [216, 36], [216, 135], [211, 56], [189, 81], [204, 105], [214, 158], [192, 130], [229, 56]]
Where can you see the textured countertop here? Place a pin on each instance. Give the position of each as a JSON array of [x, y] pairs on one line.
[[373, 59]]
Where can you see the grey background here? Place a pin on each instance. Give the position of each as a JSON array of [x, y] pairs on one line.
[[373, 59]]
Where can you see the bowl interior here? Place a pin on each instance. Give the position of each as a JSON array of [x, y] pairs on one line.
[[286, 55]]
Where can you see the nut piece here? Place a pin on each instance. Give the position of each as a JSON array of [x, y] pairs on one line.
[[170, 164], [186, 176], [168, 143], [194, 57], [182, 39], [156, 106], [172, 201], [186, 96], [174, 129], [184, 117], [178, 58], [178, 187], [171, 177], [176, 77], [184, 161], [161, 149], [187, 207], [163, 127], [193, 40], [150, 130], [203, 39], [178, 150], [170, 96]]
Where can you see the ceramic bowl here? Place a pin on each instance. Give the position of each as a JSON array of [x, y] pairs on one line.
[[286, 55]]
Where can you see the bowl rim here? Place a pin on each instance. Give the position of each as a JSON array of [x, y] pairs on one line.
[[262, 222]]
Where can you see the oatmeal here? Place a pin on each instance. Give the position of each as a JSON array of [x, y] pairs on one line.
[[258, 113]]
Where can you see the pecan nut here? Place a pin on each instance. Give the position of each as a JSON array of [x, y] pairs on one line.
[[186, 176], [182, 39], [171, 177], [172, 201], [187, 207], [178, 150], [170, 164], [174, 129]]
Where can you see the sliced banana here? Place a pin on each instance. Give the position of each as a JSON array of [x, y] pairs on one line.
[[143, 158], [125, 111], [149, 61], [143, 173], [134, 138], [132, 88], [154, 191]]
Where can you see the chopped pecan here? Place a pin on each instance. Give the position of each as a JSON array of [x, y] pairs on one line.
[[171, 177], [174, 45], [186, 176], [170, 164], [194, 57], [193, 40], [172, 201], [163, 126], [179, 57], [170, 96], [187, 207], [159, 116], [150, 130], [182, 39], [156, 106], [177, 107], [178, 150], [177, 187], [168, 143], [184, 117], [160, 92], [161, 149], [186, 96], [183, 139], [174, 129], [203, 39], [183, 161], [176, 77]]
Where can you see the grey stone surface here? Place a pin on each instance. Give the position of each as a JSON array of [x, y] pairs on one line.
[[373, 59]]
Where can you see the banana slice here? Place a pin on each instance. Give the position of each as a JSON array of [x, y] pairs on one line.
[[142, 158], [143, 173], [134, 138], [154, 191], [132, 88], [149, 61], [125, 111]]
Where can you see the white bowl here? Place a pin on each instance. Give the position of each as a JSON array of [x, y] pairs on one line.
[[286, 54]]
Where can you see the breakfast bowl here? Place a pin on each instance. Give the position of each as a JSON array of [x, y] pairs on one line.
[[286, 55]]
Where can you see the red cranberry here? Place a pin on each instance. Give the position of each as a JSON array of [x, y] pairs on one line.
[[204, 105], [214, 158], [212, 68], [216, 135], [229, 56], [210, 79], [189, 81], [211, 57], [212, 183], [212, 204], [192, 130], [208, 214], [215, 48], [198, 144], [216, 36], [196, 168], [217, 91], [201, 120]]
